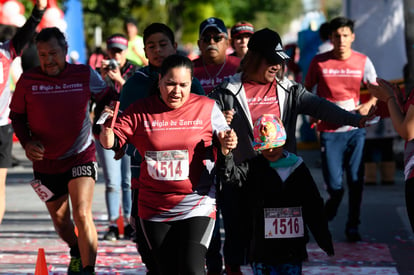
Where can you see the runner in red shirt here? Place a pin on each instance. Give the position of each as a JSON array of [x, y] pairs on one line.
[[173, 132], [337, 75], [50, 115]]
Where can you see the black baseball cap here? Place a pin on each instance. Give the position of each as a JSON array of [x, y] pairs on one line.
[[269, 45], [212, 22]]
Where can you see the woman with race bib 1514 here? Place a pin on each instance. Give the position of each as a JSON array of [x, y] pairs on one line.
[[174, 132]]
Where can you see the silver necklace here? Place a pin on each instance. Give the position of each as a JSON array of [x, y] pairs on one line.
[[219, 71]]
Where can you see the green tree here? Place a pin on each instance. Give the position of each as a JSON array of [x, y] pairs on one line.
[[183, 16], [332, 8], [110, 15], [274, 14]]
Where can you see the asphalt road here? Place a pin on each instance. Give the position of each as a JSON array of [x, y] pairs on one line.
[[387, 246]]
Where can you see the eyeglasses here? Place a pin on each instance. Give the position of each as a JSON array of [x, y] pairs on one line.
[[217, 38]]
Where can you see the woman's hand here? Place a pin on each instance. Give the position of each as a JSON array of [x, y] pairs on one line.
[[41, 4], [228, 141], [229, 114], [383, 91], [107, 137]]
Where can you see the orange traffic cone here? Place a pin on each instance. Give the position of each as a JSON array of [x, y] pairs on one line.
[[41, 266], [120, 222]]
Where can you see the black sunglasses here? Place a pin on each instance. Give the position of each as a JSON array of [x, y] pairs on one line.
[[217, 38]]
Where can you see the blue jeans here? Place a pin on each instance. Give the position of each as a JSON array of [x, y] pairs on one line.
[[117, 175], [343, 152]]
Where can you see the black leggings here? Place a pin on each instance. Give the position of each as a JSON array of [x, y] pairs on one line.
[[142, 245], [179, 247], [409, 200]]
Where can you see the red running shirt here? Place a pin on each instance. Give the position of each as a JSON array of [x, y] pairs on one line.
[[339, 81], [212, 75], [176, 180], [57, 108]]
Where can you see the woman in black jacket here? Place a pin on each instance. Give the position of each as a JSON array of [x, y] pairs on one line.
[[283, 201]]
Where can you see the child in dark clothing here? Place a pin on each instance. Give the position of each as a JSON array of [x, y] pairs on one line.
[[284, 201]]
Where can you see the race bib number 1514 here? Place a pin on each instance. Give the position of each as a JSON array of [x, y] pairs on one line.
[[168, 165]]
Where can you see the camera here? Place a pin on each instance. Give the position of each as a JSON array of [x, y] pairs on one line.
[[111, 64]]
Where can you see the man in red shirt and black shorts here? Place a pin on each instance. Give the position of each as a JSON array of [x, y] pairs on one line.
[[50, 115]]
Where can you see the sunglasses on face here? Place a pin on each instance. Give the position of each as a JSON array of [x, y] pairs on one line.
[[217, 38]]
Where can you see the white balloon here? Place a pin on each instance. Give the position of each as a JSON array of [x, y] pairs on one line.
[[53, 14], [62, 25], [53, 17], [11, 8], [18, 20], [74, 55]]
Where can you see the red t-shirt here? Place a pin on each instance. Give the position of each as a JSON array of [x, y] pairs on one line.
[[212, 75], [176, 147], [262, 99], [339, 81], [57, 109]]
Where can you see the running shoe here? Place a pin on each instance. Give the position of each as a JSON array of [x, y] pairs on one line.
[[352, 235], [112, 234], [129, 232], [75, 266]]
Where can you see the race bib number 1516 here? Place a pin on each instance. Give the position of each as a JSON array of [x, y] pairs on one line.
[[283, 222]]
